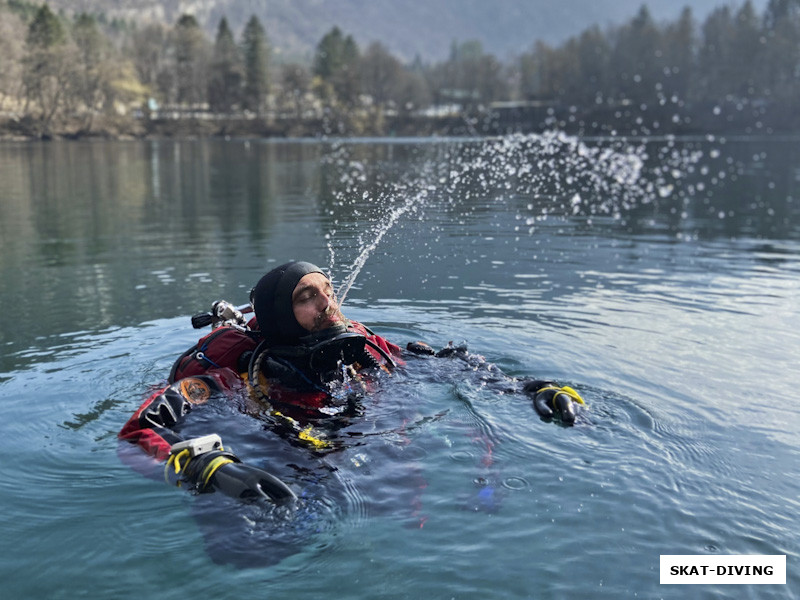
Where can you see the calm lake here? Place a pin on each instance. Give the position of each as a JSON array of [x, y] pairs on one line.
[[660, 278]]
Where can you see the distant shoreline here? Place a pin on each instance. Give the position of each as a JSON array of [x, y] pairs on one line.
[[410, 127]]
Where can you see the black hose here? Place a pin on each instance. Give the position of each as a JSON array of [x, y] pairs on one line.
[[389, 360]]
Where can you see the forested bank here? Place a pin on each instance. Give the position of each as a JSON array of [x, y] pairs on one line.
[[83, 75]]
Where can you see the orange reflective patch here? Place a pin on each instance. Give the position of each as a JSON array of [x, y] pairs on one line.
[[196, 391]]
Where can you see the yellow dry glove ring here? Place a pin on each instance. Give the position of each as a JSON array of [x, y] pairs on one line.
[[562, 390], [212, 467], [183, 453]]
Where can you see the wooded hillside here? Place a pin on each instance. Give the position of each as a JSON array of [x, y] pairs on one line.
[[739, 70]]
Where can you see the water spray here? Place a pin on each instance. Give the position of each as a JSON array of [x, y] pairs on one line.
[[579, 178]]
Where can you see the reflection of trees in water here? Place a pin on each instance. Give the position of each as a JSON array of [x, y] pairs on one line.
[[549, 175], [131, 231], [739, 189]]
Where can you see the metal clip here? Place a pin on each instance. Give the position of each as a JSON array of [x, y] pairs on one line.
[[198, 445]]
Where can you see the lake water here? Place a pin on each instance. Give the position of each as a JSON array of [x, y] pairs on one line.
[[660, 278]]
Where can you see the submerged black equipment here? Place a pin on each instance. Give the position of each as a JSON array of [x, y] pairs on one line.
[[318, 357], [325, 351]]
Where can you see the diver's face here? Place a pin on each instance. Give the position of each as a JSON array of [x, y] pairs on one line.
[[314, 303]]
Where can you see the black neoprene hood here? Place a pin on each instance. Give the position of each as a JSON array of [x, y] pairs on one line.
[[272, 301]]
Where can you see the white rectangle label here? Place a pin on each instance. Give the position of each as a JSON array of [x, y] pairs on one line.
[[723, 568]]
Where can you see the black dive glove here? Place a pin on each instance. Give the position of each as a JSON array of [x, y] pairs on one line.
[[424, 349], [420, 348], [551, 400], [206, 466], [245, 482]]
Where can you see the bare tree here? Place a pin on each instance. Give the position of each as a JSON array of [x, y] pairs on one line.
[[295, 85], [151, 53], [12, 44], [48, 69], [93, 69]]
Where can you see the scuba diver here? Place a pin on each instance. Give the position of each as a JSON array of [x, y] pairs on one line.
[[302, 365], [310, 355]]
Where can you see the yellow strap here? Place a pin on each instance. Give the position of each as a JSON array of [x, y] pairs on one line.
[[573, 394], [212, 467], [563, 390], [306, 436], [175, 460], [289, 420]]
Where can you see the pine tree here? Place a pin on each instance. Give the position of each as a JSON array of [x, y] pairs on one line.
[[227, 71], [329, 55], [747, 49], [780, 12], [336, 65], [781, 58], [45, 31], [347, 81], [191, 59], [636, 58], [716, 54], [255, 50], [679, 51]]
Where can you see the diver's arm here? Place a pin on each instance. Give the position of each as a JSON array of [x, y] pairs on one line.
[[151, 425], [200, 462], [206, 466], [549, 398]]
